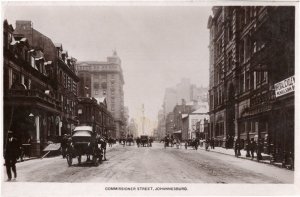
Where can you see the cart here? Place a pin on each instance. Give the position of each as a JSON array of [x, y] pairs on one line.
[[84, 141]]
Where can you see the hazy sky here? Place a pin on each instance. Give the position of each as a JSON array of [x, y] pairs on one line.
[[157, 45]]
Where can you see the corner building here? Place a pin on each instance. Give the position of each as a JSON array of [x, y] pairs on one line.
[[40, 87], [105, 79], [251, 50]]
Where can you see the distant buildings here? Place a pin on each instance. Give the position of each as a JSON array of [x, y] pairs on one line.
[[252, 52], [184, 118], [105, 79], [94, 113], [183, 91], [161, 125], [190, 121], [133, 128]]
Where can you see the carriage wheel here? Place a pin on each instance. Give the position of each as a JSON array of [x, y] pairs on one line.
[[79, 159], [69, 159]]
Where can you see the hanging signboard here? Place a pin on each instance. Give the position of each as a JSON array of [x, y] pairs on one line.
[[285, 86]]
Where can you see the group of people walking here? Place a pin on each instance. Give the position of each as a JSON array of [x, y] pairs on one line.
[[252, 147]]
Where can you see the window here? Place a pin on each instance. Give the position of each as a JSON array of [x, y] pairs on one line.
[[242, 127], [247, 85], [248, 126], [241, 51], [230, 62], [96, 92], [96, 85], [65, 80], [265, 76], [242, 83], [69, 83], [15, 77], [247, 49]]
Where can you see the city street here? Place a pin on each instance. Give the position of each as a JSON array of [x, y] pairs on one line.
[[152, 165]]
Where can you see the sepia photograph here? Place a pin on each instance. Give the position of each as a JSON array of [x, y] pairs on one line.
[[148, 98]]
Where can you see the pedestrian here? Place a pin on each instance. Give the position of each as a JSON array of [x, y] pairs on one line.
[[212, 143], [252, 147], [64, 143], [11, 155], [29, 141], [227, 142], [237, 147], [207, 144]]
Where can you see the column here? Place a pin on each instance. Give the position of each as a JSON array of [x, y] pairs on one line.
[[10, 77], [37, 128], [59, 128], [35, 146]]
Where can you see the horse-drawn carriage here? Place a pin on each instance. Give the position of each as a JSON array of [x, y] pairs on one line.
[[85, 141], [129, 140], [144, 140]]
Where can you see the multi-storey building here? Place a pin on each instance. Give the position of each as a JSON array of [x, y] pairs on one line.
[[180, 112], [183, 90], [94, 113], [170, 100], [251, 49], [33, 105], [105, 79], [161, 125], [170, 124], [63, 74], [133, 128], [190, 120]]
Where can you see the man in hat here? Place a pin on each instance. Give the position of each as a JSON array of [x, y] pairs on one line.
[[11, 155], [64, 145]]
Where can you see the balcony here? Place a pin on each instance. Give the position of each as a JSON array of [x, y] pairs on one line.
[[32, 98]]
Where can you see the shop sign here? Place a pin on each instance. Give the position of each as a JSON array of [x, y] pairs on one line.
[[285, 86]]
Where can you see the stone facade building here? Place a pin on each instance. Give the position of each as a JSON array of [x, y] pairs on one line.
[[92, 112], [105, 79], [252, 49]]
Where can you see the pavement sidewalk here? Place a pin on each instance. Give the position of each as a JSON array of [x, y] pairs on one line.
[[266, 158]]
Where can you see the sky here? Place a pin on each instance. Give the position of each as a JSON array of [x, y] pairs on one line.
[[158, 45]]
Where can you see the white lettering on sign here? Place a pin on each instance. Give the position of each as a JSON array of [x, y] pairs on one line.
[[285, 86]]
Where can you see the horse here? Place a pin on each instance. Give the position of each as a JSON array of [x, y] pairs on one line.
[[129, 140], [166, 142], [138, 141]]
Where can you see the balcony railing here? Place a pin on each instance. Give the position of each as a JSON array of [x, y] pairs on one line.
[[37, 94]]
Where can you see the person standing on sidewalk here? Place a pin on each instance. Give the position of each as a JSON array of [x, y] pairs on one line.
[[11, 155], [212, 143], [252, 147], [207, 144], [237, 147]]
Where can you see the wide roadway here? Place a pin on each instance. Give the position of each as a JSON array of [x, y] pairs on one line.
[[154, 165]]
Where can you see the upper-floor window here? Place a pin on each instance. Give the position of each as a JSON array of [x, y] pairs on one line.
[[242, 83], [247, 81]]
